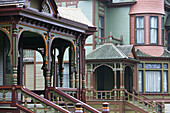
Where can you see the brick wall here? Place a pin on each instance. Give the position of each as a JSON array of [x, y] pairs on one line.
[[148, 6]]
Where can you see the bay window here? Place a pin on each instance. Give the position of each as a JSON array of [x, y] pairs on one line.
[[153, 30], [140, 30]]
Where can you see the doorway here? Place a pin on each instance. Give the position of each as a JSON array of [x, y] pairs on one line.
[[104, 78], [128, 79]]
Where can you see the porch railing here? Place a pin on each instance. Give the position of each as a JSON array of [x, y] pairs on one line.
[[114, 94]]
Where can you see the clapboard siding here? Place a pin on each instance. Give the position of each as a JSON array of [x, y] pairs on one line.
[[29, 76], [39, 77]]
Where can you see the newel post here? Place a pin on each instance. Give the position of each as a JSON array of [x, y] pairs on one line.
[[78, 108], [105, 108], [14, 96], [163, 107]]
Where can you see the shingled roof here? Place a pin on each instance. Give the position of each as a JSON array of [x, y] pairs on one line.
[[111, 51], [166, 54]]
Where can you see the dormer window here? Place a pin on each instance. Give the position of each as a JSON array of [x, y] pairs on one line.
[[140, 30], [153, 30]]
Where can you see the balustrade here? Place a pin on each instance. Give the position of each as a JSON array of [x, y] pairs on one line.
[[113, 94]]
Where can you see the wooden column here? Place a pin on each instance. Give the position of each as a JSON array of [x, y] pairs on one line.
[[53, 68], [71, 67], [15, 53], [133, 80], [83, 72], [91, 81], [60, 62], [115, 76], [121, 76]]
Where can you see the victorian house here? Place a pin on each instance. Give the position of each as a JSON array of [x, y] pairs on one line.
[[56, 53]]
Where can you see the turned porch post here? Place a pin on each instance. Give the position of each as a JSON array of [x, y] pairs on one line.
[[15, 53]]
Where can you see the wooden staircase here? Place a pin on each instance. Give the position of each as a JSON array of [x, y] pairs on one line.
[[24, 100]]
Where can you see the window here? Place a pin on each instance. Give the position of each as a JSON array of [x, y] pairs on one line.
[[153, 30], [151, 76], [165, 82], [153, 81], [162, 30], [140, 30], [140, 81], [101, 26]]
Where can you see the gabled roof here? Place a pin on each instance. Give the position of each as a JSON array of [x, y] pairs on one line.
[[166, 54], [74, 14], [110, 51]]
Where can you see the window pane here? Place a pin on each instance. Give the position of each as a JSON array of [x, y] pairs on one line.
[[140, 81], [139, 30], [140, 36], [165, 66], [101, 26], [140, 65], [139, 22], [154, 22], [165, 81], [153, 66], [153, 29], [153, 35], [152, 81]]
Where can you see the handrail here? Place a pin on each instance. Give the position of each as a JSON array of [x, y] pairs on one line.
[[108, 90], [72, 99], [24, 109], [110, 36], [138, 98], [145, 97], [39, 98]]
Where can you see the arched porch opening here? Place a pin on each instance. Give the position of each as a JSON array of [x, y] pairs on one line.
[[104, 78], [29, 43], [5, 60], [63, 63], [128, 79]]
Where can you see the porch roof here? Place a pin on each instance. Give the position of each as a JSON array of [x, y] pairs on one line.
[[110, 51], [166, 54]]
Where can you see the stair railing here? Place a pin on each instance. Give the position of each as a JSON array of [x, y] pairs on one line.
[[140, 101], [22, 97], [158, 106], [61, 96]]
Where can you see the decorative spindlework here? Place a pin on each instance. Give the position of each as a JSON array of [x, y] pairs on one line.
[[45, 7], [7, 29]]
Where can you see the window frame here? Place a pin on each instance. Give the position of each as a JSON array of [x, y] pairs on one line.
[[136, 29], [102, 28], [162, 30], [162, 70], [156, 28]]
